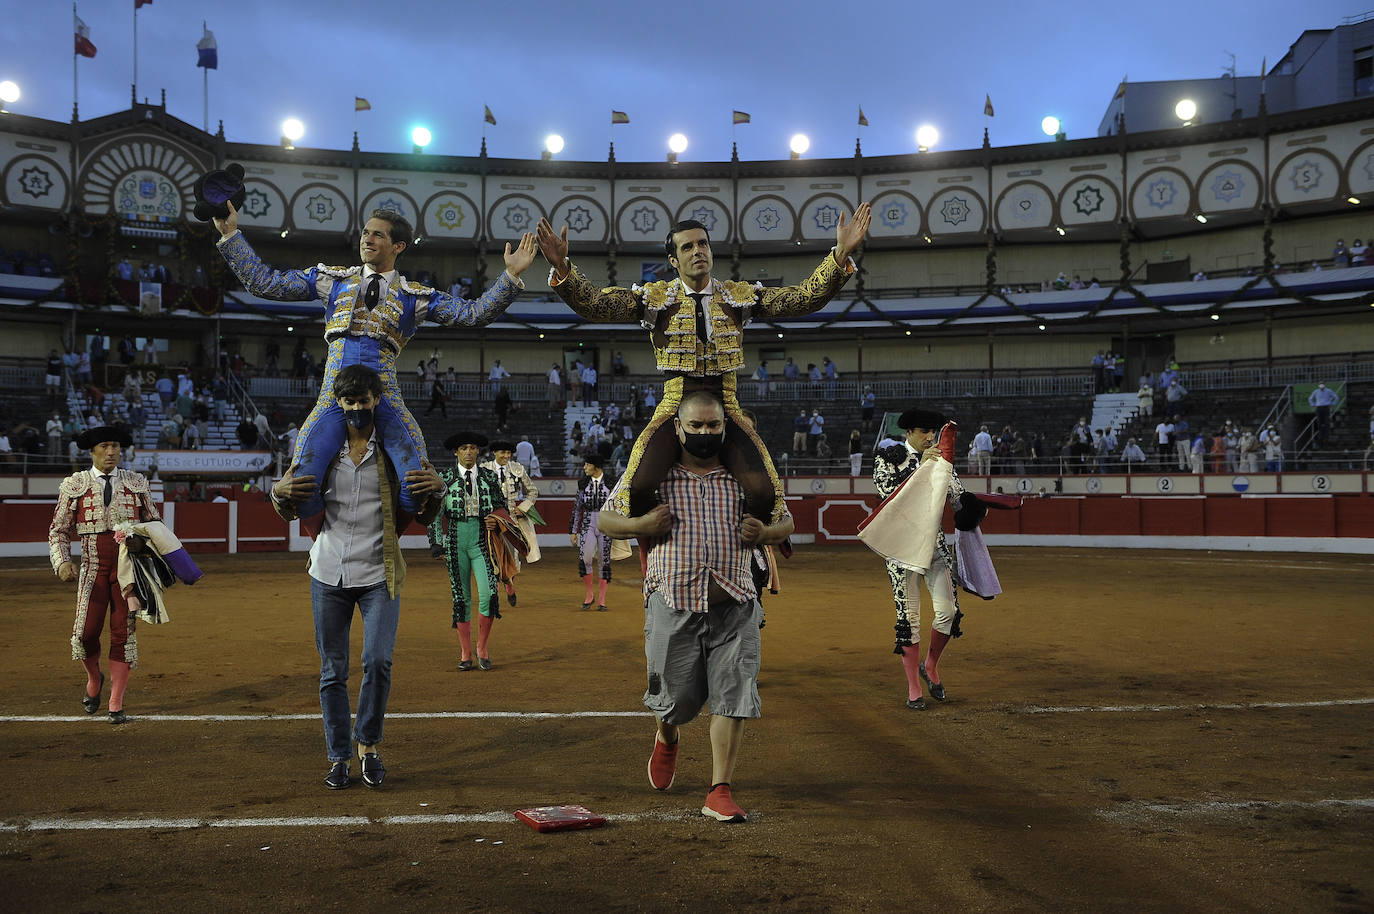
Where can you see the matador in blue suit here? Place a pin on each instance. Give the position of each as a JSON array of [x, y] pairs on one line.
[[371, 312]]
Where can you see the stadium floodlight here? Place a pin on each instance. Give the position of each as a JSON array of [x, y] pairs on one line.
[[926, 137], [677, 144], [291, 131], [1186, 110], [553, 144], [799, 144], [420, 138], [1049, 125], [9, 93]]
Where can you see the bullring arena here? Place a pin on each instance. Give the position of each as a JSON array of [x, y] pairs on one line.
[[1169, 708]]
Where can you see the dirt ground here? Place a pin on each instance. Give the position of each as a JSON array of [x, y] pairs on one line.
[[1126, 731]]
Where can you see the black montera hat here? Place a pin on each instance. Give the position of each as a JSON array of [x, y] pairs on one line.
[[99, 435], [501, 444], [916, 417], [458, 439]]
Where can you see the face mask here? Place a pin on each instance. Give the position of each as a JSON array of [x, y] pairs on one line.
[[359, 418], [702, 446]]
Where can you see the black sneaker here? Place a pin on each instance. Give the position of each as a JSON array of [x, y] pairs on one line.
[[374, 772], [338, 779]]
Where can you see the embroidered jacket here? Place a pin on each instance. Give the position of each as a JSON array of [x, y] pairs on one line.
[[392, 322], [668, 312], [81, 509]]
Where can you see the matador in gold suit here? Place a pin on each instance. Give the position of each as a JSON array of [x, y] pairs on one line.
[[696, 325]]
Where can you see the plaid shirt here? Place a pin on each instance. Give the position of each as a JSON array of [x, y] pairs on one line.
[[704, 543]]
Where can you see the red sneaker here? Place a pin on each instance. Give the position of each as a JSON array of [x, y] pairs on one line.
[[721, 806], [662, 764]]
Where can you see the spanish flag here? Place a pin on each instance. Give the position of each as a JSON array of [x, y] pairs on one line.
[[740, 118], [619, 117], [488, 116], [863, 121], [361, 104], [987, 105]]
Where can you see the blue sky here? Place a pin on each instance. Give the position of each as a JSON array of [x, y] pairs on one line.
[[797, 66]]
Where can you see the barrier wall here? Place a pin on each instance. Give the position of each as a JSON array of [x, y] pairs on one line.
[[1331, 512]]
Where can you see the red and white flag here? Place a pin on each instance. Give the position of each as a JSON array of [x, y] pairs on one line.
[[83, 38]]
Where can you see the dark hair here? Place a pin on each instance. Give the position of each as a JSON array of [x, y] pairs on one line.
[[401, 231], [684, 226], [356, 380]]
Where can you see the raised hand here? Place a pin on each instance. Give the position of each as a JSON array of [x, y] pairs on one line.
[[553, 246], [849, 234], [519, 259], [230, 224]]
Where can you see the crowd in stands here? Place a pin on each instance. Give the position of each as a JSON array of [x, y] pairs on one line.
[[22, 263]]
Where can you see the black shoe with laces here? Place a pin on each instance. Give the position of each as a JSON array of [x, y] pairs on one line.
[[338, 779]]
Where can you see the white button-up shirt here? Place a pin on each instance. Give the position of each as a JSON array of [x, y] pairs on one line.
[[348, 551]]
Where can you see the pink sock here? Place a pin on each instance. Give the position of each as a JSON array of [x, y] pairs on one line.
[[601, 592], [483, 633], [510, 587], [938, 640], [911, 658], [587, 579], [119, 681], [92, 665], [465, 639]]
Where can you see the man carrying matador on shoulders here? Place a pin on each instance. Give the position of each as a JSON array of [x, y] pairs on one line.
[[696, 326]]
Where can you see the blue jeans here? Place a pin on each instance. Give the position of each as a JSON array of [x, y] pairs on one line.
[[333, 607]]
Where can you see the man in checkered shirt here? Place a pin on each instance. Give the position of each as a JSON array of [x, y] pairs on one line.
[[702, 615]]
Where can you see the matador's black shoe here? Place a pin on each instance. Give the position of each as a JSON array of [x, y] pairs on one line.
[[464, 665], [916, 704], [118, 717], [937, 690], [338, 778], [510, 598], [92, 702]]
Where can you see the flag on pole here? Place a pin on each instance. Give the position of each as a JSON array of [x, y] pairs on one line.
[[139, 3], [1264, 71], [987, 105], [739, 117], [361, 104], [207, 50], [1120, 90], [488, 116], [619, 117], [83, 38], [863, 121]]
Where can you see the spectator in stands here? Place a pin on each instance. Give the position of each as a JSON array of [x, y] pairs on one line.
[[54, 430], [124, 270], [420, 371], [815, 428], [1273, 453], [555, 393], [761, 375], [288, 438], [982, 451], [524, 452], [52, 378], [867, 403], [1231, 442], [823, 454], [432, 369], [83, 369], [501, 405], [168, 435], [589, 379], [800, 425], [595, 432], [1080, 444], [132, 390], [1357, 253], [186, 406], [200, 414], [1199, 276], [618, 367], [438, 396], [1197, 453], [1145, 398], [650, 400], [190, 437], [451, 380], [219, 389], [165, 392], [619, 454], [1020, 452], [831, 374], [264, 430], [1164, 440], [856, 452], [97, 352], [576, 435], [1340, 257], [790, 371], [1249, 452], [1077, 283], [1183, 442], [1099, 367], [247, 434], [497, 376], [575, 382], [813, 374], [1132, 455], [1321, 400], [1061, 282], [149, 352], [1118, 373], [1102, 453]]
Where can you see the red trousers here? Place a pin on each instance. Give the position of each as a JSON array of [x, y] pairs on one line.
[[100, 579]]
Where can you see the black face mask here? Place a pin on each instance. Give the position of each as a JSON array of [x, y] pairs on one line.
[[703, 447], [359, 418]]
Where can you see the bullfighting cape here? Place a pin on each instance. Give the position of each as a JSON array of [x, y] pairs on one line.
[[906, 525]]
